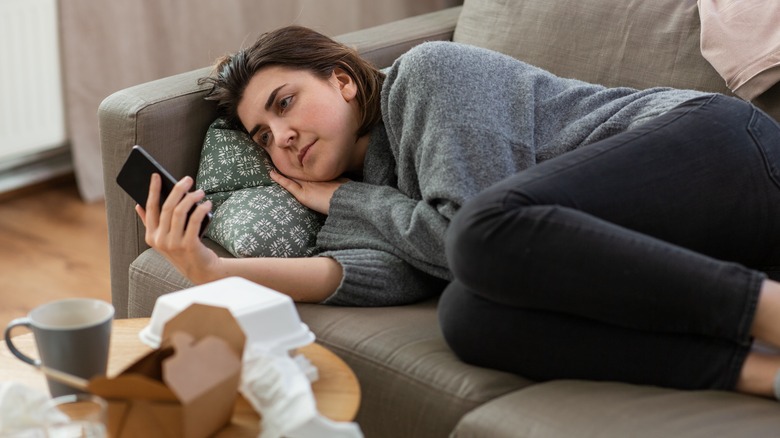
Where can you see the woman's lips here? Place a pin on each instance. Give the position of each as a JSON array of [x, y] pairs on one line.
[[302, 153]]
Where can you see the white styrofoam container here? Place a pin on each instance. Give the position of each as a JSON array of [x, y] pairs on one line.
[[269, 318]]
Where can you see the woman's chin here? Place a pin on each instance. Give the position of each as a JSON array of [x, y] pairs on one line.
[[321, 176]]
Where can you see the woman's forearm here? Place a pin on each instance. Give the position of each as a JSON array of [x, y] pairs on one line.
[[309, 280]]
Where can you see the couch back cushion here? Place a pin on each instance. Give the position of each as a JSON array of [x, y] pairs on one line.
[[633, 43]]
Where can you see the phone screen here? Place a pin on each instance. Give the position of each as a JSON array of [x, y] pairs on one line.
[[136, 174]]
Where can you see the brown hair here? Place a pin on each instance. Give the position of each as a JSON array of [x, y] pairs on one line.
[[298, 48]]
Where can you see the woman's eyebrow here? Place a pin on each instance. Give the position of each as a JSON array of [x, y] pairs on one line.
[[272, 97], [253, 132], [268, 104]]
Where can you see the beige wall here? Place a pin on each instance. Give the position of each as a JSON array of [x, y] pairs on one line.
[[108, 45]]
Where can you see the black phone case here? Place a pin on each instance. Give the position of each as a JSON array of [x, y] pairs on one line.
[[136, 174]]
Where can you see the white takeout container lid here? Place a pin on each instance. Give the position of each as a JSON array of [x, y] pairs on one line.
[[269, 318]]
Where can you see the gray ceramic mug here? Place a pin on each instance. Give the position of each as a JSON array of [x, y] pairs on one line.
[[72, 335]]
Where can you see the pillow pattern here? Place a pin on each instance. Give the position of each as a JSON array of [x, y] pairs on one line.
[[253, 216]]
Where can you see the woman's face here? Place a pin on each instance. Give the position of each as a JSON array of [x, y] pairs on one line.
[[307, 124]]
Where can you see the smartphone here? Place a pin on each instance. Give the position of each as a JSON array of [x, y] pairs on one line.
[[136, 174]]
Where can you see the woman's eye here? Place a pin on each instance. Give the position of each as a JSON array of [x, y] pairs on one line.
[[285, 103], [263, 139]]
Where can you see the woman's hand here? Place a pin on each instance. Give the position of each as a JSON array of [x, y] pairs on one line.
[[173, 235], [308, 279], [315, 195]]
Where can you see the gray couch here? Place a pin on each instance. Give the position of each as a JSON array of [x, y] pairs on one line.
[[413, 386]]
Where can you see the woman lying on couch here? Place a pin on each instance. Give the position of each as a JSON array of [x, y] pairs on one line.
[[605, 233]]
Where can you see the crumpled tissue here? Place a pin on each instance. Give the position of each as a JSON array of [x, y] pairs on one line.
[[279, 388], [22, 411]]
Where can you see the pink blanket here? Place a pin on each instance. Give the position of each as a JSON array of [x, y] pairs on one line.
[[741, 39]]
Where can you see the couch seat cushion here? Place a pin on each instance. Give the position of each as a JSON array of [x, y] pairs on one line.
[[569, 408], [412, 384]]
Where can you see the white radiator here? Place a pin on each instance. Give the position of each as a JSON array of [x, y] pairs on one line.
[[31, 104]]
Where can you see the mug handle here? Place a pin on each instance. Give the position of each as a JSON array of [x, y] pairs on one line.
[[19, 322]]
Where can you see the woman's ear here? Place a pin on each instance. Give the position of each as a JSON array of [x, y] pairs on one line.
[[345, 83]]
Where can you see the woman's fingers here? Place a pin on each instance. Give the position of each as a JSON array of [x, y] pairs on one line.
[[171, 233], [170, 220], [150, 215], [141, 214], [152, 209], [167, 226], [294, 187], [313, 194], [288, 184], [196, 219], [181, 214]]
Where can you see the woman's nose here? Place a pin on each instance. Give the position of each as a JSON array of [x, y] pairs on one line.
[[285, 136]]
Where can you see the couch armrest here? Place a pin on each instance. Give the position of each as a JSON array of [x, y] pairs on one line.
[[169, 118]]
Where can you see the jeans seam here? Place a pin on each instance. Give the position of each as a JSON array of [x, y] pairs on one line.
[[744, 338], [760, 146]]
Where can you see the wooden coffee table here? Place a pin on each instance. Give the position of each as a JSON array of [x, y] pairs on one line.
[[337, 390]]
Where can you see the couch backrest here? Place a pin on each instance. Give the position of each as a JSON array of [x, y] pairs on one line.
[[635, 43]]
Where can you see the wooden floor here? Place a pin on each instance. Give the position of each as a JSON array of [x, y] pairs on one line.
[[52, 245]]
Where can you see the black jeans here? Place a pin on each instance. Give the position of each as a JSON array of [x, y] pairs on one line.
[[638, 258]]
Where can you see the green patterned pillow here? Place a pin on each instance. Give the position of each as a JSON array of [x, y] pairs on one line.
[[253, 216]]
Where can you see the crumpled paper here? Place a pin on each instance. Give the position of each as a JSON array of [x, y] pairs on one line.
[[22, 411], [279, 388]]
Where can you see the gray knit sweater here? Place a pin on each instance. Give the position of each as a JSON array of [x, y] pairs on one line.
[[457, 119]]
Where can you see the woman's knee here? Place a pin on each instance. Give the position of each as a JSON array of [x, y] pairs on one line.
[[487, 334], [467, 242], [450, 312], [462, 322]]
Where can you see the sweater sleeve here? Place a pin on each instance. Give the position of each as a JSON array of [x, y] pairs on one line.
[[377, 278], [389, 221]]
